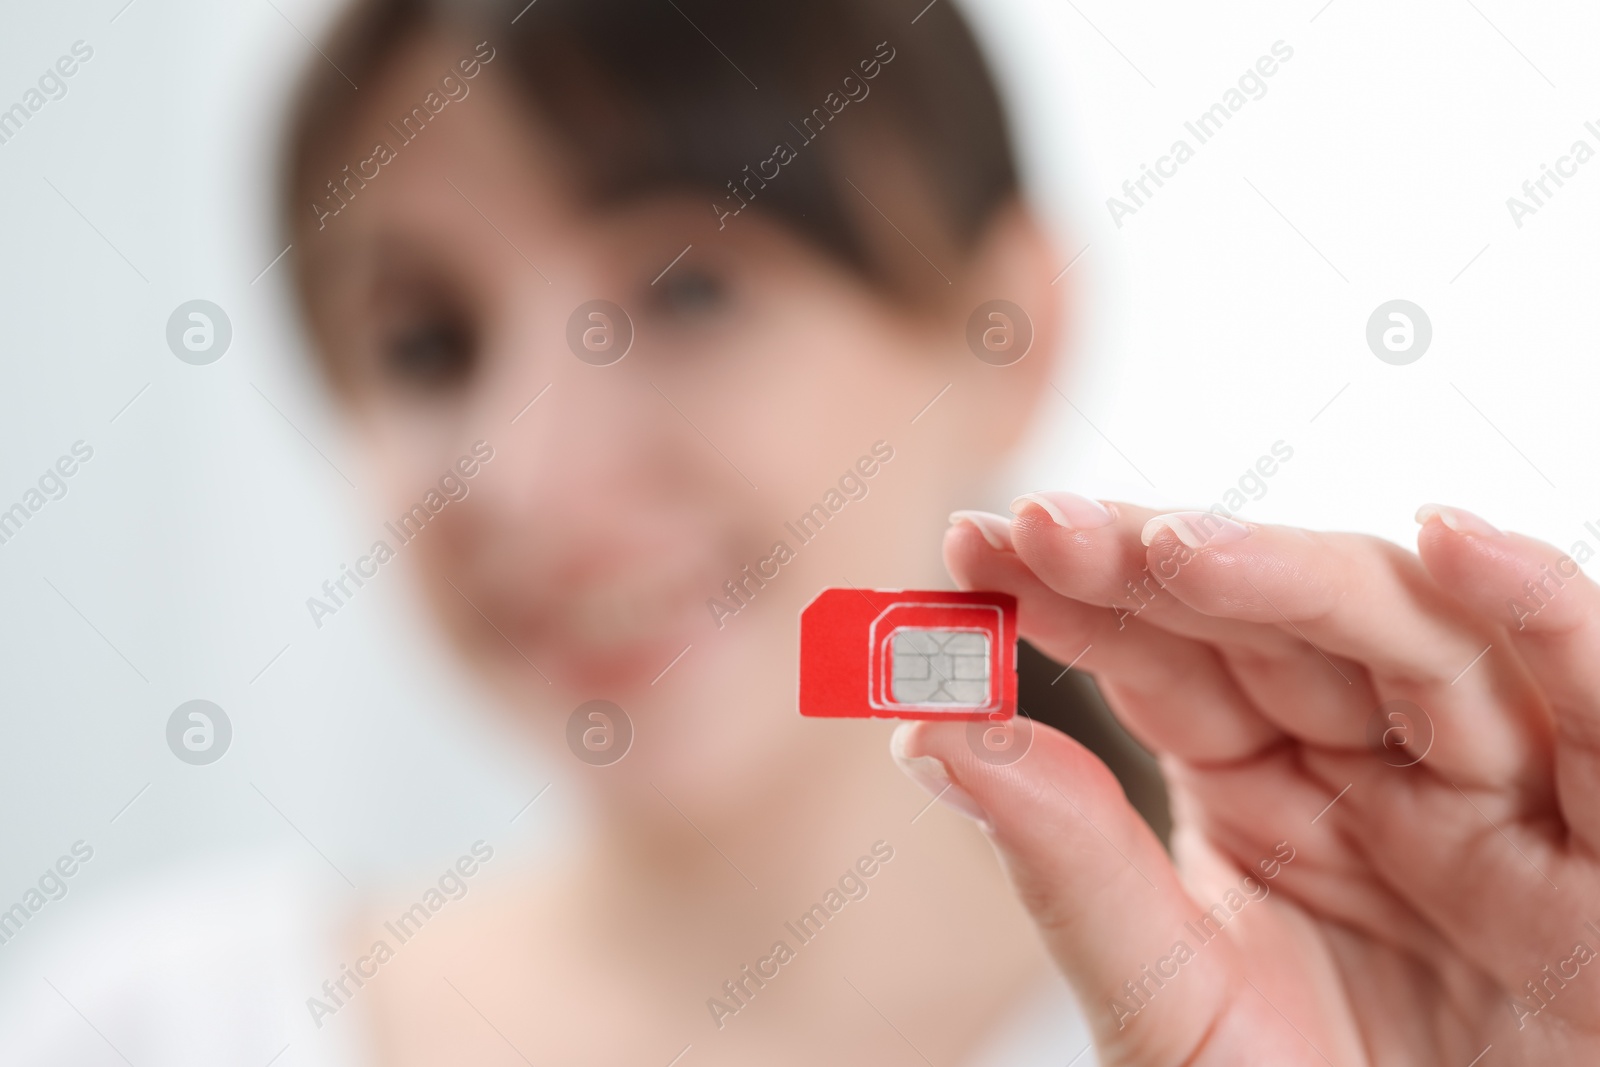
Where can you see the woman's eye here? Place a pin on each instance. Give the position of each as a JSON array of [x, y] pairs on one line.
[[438, 353], [687, 291]]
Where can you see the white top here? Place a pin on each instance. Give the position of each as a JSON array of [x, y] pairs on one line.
[[211, 965]]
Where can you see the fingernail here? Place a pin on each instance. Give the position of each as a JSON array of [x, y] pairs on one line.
[[1068, 510], [931, 774], [1196, 529], [996, 529], [1462, 522]]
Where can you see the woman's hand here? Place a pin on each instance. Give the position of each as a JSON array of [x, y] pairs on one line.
[[1385, 774]]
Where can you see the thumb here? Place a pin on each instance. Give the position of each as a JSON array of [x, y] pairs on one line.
[[1095, 879]]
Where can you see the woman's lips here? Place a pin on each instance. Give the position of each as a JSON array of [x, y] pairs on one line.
[[592, 673], [612, 634]]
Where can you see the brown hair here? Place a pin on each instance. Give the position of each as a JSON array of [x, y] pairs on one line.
[[696, 95]]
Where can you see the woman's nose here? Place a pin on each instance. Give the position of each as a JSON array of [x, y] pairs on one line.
[[579, 431]]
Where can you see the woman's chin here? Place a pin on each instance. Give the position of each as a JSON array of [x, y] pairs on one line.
[[571, 672], [710, 717]]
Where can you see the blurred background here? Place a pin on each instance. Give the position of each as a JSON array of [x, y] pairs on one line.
[[1227, 313]]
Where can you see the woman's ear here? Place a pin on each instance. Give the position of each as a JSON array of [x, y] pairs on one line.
[[1014, 303]]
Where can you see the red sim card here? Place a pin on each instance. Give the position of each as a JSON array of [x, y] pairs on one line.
[[908, 654]]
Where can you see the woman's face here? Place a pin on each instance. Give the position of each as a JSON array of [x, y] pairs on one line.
[[590, 556]]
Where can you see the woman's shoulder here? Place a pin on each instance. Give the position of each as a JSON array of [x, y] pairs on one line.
[[202, 964]]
